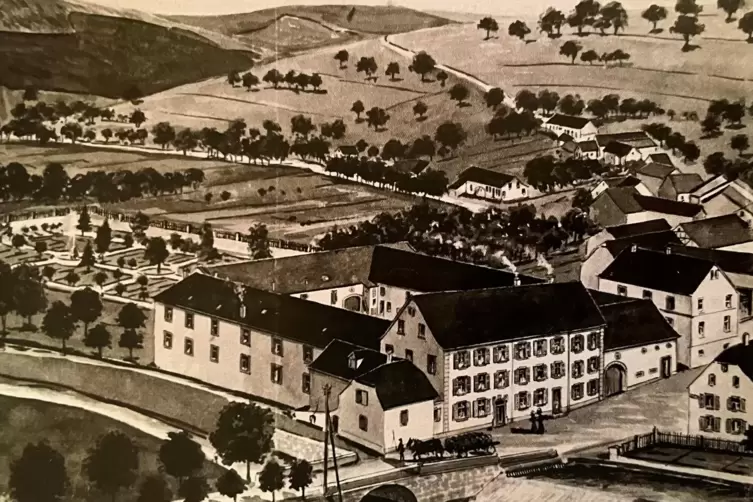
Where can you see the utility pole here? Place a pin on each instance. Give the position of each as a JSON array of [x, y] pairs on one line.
[[327, 390]]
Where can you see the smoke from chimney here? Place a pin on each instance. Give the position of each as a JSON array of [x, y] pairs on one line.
[[541, 262], [506, 262]]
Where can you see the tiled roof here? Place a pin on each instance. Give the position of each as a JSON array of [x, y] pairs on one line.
[[654, 170], [622, 181], [588, 146], [738, 355], [667, 206], [711, 184], [335, 360], [643, 227], [718, 232], [466, 318], [653, 240], [603, 298], [568, 121], [729, 261], [483, 176], [661, 158], [633, 324], [617, 148], [624, 199], [636, 139], [348, 149], [399, 383], [685, 182]]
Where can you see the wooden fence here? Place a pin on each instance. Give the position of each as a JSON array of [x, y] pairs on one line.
[[702, 443]]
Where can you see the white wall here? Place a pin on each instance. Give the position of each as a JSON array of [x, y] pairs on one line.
[[723, 389], [325, 296], [643, 363], [420, 418]]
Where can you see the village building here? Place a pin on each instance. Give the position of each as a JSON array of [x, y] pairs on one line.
[[619, 182], [619, 154], [638, 141], [577, 128], [694, 295], [709, 189], [623, 232], [624, 205], [728, 233], [679, 186], [250, 341], [490, 185], [653, 176], [588, 150], [661, 158], [717, 398]]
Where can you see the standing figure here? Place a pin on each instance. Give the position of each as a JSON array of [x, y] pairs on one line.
[[401, 450], [540, 419], [533, 422]]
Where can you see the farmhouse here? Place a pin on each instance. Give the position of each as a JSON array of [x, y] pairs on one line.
[[495, 355], [375, 280], [588, 150], [619, 182], [717, 397], [490, 185], [694, 295], [636, 140], [577, 128], [729, 232], [679, 186], [709, 189], [247, 340], [624, 232], [653, 175], [619, 154], [618, 206]]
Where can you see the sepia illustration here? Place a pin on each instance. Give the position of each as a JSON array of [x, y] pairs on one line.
[[378, 251]]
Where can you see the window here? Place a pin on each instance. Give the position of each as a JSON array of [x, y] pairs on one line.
[[594, 341], [481, 406], [167, 340], [592, 365], [306, 383], [214, 353], [727, 324], [540, 397], [389, 307], [710, 423], [640, 374], [714, 274], [431, 364], [461, 385], [709, 401], [522, 401], [557, 345], [670, 321], [389, 349], [421, 330], [400, 327], [460, 411], [577, 392], [168, 314], [363, 423], [728, 301], [647, 295], [333, 297], [669, 303], [700, 304], [481, 382], [245, 337], [736, 382], [522, 376], [622, 290], [411, 310], [522, 351], [245, 363], [409, 355], [539, 372], [403, 418], [188, 346], [381, 291], [539, 348], [501, 354], [592, 387], [276, 374], [481, 356], [189, 320], [277, 348], [558, 369], [576, 344], [461, 359], [381, 306], [577, 369], [308, 354], [305, 296], [501, 379], [735, 426], [701, 329], [437, 414], [724, 367], [362, 397], [736, 403]]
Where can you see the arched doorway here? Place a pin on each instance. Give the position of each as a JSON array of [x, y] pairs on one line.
[[615, 379], [390, 493], [352, 303]]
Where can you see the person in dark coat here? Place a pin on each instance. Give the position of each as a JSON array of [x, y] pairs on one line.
[[534, 422], [401, 450], [540, 420]]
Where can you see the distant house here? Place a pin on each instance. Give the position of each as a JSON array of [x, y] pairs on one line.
[[637, 140], [709, 189], [619, 154], [625, 231], [413, 167], [679, 186], [578, 128], [619, 181], [619, 206], [653, 175], [565, 138], [490, 185], [344, 151], [729, 232], [588, 150], [661, 158]]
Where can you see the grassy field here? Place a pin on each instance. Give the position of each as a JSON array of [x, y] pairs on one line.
[[72, 432]]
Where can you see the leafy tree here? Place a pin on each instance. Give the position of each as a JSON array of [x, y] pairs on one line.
[[271, 477], [113, 464], [734, 112], [377, 117], [273, 77], [72, 278], [40, 247], [392, 69], [163, 134], [459, 93], [584, 14], [316, 81], [518, 29], [420, 109], [185, 140], [711, 126], [130, 339], [230, 484], [450, 135], [181, 456], [571, 105], [84, 221], [38, 475], [249, 80], [86, 307], [488, 24], [373, 151], [243, 434], [342, 57], [688, 27], [442, 77], [302, 125], [423, 63], [551, 20], [98, 338], [362, 145], [120, 289], [423, 146], [746, 25], [137, 118], [31, 94], [156, 252], [367, 65], [107, 134], [72, 131], [194, 489], [494, 97], [155, 489], [358, 109], [300, 476], [18, 241], [233, 78], [103, 238], [571, 49], [58, 323], [690, 151], [654, 14], [87, 257], [527, 100], [739, 142], [131, 317], [619, 56], [55, 180], [615, 14], [688, 8], [258, 242], [582, 199]]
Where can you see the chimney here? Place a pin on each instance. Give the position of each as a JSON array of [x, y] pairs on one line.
[[633, 248], [550, 279], [516, 280], [746, 338], [668, 250], [389, 357]]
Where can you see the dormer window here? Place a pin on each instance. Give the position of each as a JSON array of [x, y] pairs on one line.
[[243, 311], [325, 278], [352, 364]]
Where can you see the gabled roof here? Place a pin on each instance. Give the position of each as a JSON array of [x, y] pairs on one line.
[[622, 181], [661, 158], [484, 176], [466, 318], [399, 383], [718, 232], [654, 170], [602, 298], [414, 166], [569, 121], [618, 149], [667, 206], [643, 227], [335, 360], [624, 199], [738, 355], [636, 139], [588, 146], [633, 324], [729, 261], [653, 240], [564, 137], [684, 182], [285, 316], [570, 146], [658, 270], [711, 184]]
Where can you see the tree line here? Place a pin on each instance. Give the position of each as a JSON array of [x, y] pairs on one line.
[[422, 65], [571, 49], [547, 172], [429, 181], [609, 105], [731, 112], [676, 141]]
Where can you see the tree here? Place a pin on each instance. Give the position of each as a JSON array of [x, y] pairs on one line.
[[494, 97], [488, 24], [249, 80], [71, 278], [40, 247], [450, 135], [84, 221], [113, 464], [442, 77], [18, 241], [273, 77], [739, 142], [571, 105], [103, 238], [420, 109], [423, 146], [571, 49], [31, 94], [392, 69], [155, 489], [300, 476], [688, 7], [358, 109], [548, 100], [72, 131], [185, 141], [584, 14], [373, 151], [156, 252], [181, 456], [130, 339], [98, 338], [654, 14], [55, 180], [87, 257], [615, 14], [619, 56], [131, 317], [233, 78], [107, 134], [230, 484], [690, 152], [518, 29], [38, 475], [711, 126], [58, 322], [551, 20], [746, 25], [194, 489], [316, 81], [163, 134], [243, 434], [734, 112], [137, 118], [527, 100], [86, 307], [377, 118], [367, 66], [258, 242], [271, 478], [393, 150], [459, 93], [7, 295], [688, 27], [423, 63], [302, 125], [342, 57], [582, 199]]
